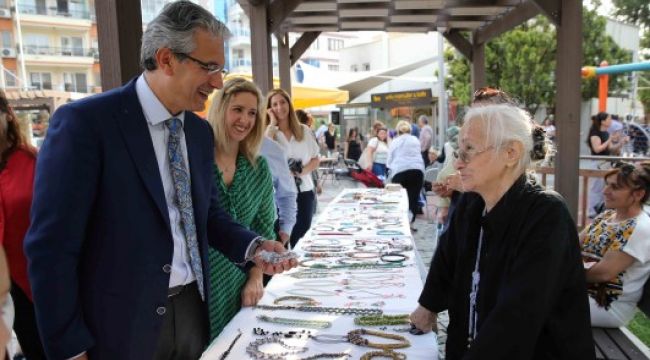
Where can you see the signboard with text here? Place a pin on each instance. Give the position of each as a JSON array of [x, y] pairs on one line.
[[401, 98]]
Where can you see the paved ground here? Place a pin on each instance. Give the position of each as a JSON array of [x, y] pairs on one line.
[[425, 239]]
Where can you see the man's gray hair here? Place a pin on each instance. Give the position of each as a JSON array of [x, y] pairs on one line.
[[174, 28], [424, 119]]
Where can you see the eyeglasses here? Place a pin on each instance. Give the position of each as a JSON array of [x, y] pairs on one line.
[[491, 94], [211, 68], [467, 156]]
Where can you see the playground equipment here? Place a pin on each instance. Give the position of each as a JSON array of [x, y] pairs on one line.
[[603, 72]]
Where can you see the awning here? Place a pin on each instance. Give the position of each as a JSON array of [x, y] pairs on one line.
[[303, 96]]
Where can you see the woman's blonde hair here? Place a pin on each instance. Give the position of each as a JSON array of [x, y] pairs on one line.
[[294, 124], [250, 146], [403, 127]]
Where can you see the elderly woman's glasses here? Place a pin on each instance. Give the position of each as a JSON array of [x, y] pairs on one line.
[[467, 156], [211, 68]]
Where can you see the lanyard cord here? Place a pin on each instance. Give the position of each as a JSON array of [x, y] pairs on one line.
[[476, 279]]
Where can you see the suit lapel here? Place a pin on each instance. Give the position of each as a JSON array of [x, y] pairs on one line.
[[138, 142]]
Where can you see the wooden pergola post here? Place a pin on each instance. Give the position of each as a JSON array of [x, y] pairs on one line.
[[284, 61], [261, 45]]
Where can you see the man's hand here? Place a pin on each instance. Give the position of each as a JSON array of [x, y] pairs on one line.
[[284, 237], [424, 320], [272, 269], [253, 289]]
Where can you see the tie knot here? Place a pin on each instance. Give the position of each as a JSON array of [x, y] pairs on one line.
[[173, 124]]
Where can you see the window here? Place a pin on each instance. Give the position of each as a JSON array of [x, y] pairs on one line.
[[7, 41], [238, 53], [75, 82], [41, 80], [354, 68], [366, 67], [315, 45], [332, 67], [72, 46], [10, 78], [334, 44], [37, 44]]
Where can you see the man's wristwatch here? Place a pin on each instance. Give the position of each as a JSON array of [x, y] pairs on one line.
[[252, 248]]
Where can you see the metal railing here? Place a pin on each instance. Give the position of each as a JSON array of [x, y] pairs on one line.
[[53, 11], [241, 62], [60, 51]]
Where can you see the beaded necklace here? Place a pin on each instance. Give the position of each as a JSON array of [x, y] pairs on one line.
[[379, 320], [253, 349], [321, 309], [312, 324], [356, 337]]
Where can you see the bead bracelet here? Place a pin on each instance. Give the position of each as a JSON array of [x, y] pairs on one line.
[[293, 334], [356, 337], [253, 349], [383, 354], [381, 320], [312, 324], [321, 309], [393, 257], [301, 300], [227, 352]]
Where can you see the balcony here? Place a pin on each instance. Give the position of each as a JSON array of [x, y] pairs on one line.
[[239, 36], [47, 55], [41, 16]]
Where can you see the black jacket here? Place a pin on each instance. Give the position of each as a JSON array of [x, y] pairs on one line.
[[532, 298]]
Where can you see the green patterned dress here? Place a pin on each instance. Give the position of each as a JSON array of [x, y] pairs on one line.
[[249, 201]]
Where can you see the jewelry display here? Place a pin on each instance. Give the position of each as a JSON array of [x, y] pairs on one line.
[[325, 248], [304, 274], [373, 248], [380, 320], [363, 255], [227, 352], [393, 257], [389, 232], [373, 295], [312, 292], [356, 337], [293, 334], [325, 242], [323, 228], [316, 264], [274, 258], [322, 254], [301, 300], [326, 356], [350, 228], [383, 354], [317, 283], [253, 349], [322, 309], [312, 324]]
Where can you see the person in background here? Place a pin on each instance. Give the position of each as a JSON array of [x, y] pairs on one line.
[[17, 165], [352, 148], [330, 139], [549, 127], [616, 247], [125, 206], [406, 165], [600, 144], [508, 266], [306, 119], [377, 151], [426, 138], [302, 152], [245, 192], [6, 310], [446, 181]]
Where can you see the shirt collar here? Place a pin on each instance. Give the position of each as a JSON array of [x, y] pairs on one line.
[[154, 111]]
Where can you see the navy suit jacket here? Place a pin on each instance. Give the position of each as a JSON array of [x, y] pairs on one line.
[[100, 233]]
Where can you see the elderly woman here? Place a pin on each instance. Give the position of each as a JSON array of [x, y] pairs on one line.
[[616, 247], [508, 268], [406, 164], [245, 191]]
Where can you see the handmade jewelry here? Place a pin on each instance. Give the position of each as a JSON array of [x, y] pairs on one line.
[[325, 242], [311, 292], [313, 324], [326, 356], [293, 334], [227, 352], [393, 257], [274, 258], [304, 274], [350, 228], [373, 295], [316, 264], [363, 255], [301, 300], [383, 354], [355, 261], [253, 349], [356, 337], [322, 254], [317, 283], [369, 248], [323, 228], [324, 248], [321, 309], [389, 232], [380, 320]]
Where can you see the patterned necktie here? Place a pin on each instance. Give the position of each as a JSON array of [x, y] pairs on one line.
[[183, 191]]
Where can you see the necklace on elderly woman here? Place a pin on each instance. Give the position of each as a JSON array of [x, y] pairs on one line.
[[476, 279]]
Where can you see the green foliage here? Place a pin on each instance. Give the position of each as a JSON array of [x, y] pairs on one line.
[[640, 326], [633, 11], [522, 62]]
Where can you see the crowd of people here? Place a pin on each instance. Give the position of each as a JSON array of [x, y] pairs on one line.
[[135, 232]]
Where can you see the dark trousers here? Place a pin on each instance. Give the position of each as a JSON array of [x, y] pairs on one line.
[[411, 180], [184, 334], [303, 217], [425, 157], [25, 324]]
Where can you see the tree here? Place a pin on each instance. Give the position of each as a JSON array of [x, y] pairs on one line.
[[522, 62]]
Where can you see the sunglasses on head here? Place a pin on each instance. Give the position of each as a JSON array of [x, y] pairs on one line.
[[625, 168], [488, 93]]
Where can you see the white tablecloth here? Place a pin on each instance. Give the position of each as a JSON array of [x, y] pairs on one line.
[[346, 211]]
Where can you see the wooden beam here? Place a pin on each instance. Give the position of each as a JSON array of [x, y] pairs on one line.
[[280, 10], [302, 44], [514, 17], [568, 99], [479, 79], [459, 42], [261, 47], [550, 8], [284, 61], [119, 31]]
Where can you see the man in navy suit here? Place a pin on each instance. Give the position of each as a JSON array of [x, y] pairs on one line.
[[125, 206]]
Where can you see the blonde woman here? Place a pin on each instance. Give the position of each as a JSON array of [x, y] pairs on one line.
[[245, 189], [406, 165], [302, 153]]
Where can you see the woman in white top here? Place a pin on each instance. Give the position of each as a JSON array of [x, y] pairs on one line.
[[378, 153], [406, 164], [302, 152], [6, 309], [616, 247]]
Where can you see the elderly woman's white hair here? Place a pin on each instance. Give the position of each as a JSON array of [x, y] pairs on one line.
[[503, 123]]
